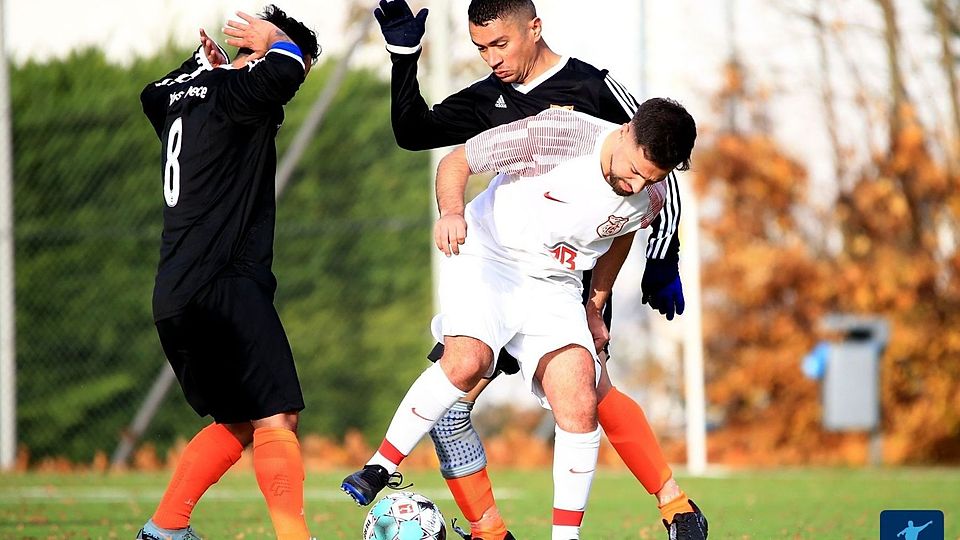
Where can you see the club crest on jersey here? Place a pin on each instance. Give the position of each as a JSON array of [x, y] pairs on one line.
[[612, 226], [567, 107]]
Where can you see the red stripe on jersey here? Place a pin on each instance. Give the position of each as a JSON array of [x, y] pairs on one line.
[[390, 452], [567, 518], [536, 145], [658, 194]]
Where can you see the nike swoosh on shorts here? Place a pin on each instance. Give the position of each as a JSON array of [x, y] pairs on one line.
[[418, 415]]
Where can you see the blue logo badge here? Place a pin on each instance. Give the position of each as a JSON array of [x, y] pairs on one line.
[[911, 525]]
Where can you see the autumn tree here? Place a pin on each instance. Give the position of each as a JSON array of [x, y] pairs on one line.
[[774, 266]]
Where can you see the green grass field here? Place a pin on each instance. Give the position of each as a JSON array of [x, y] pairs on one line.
[[801, 503]]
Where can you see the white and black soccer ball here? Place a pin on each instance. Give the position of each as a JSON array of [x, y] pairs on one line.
[[404, 516]]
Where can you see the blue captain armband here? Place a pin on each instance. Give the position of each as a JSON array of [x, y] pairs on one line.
[[287, 48]]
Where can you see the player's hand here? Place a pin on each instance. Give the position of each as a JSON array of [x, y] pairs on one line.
[[253, 33], [598, 328], [662, 288], [450, 233], [210, 49], [400, 28]]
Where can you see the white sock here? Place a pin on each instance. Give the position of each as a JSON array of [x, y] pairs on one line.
[[564, 532], [428, 398], [574, 465]]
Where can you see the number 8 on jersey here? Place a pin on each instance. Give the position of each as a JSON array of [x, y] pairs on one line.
[[171, 165]]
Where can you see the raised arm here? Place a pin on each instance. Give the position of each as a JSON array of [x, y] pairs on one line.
[[271, 80], [155, 97], [415, 125], [255, 34], [212, 50], [418, 127]]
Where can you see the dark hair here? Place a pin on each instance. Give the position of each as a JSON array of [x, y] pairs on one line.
[[482, 12], [298, 33], [666, 132]]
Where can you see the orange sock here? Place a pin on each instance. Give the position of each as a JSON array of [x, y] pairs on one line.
[[489, 527], [207, 456], [474, 497], [279, 469], [632, 437], [679, 505]]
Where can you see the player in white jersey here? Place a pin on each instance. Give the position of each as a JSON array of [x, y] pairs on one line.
[[551, 192], [527, 76], [547, 217], [569, 185]]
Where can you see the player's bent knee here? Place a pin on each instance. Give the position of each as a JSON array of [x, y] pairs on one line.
[[465, 361], [286, 420], [457, 443], [577, 421], [242, 431]]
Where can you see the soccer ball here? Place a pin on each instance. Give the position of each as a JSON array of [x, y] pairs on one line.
[[404, 516]]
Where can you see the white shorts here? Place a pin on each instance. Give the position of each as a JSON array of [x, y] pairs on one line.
[[503, 308]]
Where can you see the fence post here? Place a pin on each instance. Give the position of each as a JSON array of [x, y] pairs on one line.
[[8, 350]]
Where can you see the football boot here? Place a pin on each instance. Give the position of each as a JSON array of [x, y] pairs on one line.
[[687, 525], [364, 485], [151, 531]]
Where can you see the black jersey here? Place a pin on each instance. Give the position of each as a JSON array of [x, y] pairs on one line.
[[218, 128], [489, 102]]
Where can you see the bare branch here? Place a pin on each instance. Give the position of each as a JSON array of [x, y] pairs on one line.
[[947, 62]]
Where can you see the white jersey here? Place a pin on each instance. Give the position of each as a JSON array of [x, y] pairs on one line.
[[550, 212]]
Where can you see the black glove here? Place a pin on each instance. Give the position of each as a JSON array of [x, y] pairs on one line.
[[662, 288], [400, 28]]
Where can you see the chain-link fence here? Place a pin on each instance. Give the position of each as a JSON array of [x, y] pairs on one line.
[[352, 257], [353, 226]]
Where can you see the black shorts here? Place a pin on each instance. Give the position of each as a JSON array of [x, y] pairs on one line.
[[231, 354]]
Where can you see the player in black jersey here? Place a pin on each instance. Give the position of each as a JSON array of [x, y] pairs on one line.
[[528, 77], [213, 299]]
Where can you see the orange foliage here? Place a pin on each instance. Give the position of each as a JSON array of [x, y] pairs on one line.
[[771, 280], [515, 447]]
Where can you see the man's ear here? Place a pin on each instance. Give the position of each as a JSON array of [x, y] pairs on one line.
[[536, 26]]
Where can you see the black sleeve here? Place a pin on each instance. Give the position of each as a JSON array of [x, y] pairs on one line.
[[664, 243], [155, 96], [617, 105], [271, 80], [415, 125]]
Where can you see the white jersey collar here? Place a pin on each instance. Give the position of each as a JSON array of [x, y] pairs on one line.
[[525, 88]]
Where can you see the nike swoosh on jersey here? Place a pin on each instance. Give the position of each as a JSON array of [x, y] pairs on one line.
[[552, 198], [418, 415], [581, 472]]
